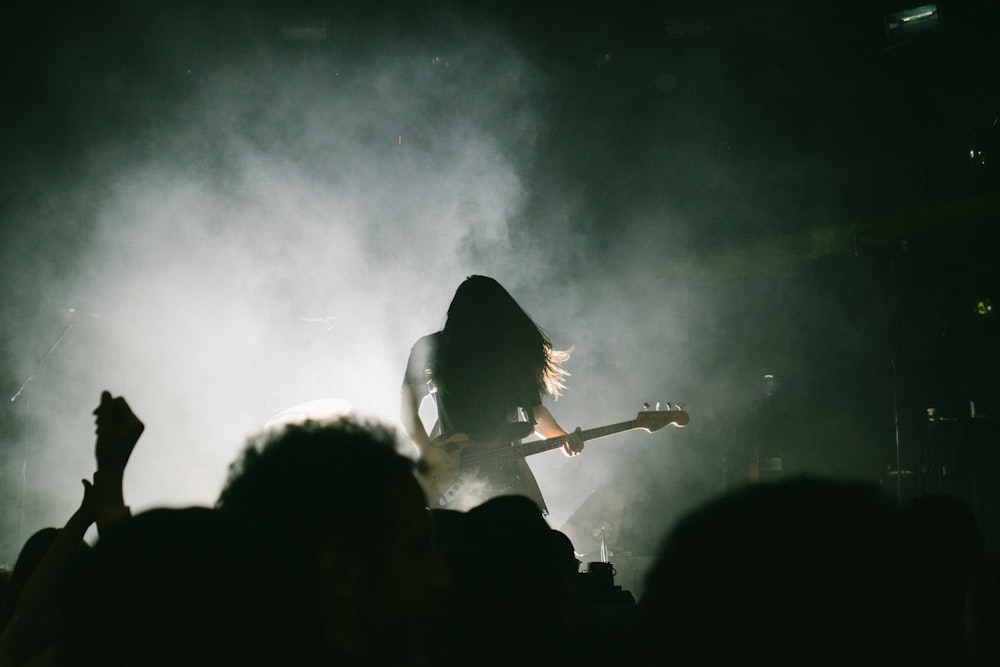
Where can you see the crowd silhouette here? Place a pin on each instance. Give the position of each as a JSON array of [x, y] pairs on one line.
[[321, 550]]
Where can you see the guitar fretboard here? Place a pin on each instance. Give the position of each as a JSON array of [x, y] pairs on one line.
[[515, 451]]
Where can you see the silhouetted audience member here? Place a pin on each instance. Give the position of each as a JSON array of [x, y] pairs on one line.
[[5, 574], [564, 553], [34, 622], [515, 599], [801, 572], [28, 558], [982, 614], [179, 587], [350, 522], [444, 521], [942, 549], [35, 627], [605, 611]]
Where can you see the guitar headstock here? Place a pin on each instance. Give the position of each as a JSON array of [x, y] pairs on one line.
[[654, 420]]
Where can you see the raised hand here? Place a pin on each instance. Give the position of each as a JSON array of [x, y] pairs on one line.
[[118, 430], [86, 513]]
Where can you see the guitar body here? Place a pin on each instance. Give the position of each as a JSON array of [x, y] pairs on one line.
[[458, 473]]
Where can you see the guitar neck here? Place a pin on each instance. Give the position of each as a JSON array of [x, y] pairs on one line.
[[649, 421], [539, 446], [520, 450]]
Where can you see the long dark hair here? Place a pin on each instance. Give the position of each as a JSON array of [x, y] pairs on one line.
[[488, 334]]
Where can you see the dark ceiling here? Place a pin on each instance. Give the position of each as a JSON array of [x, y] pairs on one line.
[[908, 129]]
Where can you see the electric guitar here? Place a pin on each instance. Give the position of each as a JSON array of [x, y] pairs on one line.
[[457, 472]]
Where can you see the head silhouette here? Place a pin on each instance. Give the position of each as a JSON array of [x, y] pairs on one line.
[[350, 519], [482, 306], [488, 334]]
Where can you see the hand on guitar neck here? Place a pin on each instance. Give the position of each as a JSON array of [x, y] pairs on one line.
[[574, 443], [547, 426]]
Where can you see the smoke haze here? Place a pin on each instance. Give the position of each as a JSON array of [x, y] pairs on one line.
[[224, 213]]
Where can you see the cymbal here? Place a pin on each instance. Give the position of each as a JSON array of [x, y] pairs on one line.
[[322, 409]]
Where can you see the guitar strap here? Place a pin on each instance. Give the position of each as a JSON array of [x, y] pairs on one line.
[[516, 431], [520, 424]]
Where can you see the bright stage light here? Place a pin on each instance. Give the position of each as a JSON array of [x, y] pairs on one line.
[[984, 307], [907, 23]]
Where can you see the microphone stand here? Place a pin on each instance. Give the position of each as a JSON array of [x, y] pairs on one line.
[[23, 476], [41, 361], [890, 246]]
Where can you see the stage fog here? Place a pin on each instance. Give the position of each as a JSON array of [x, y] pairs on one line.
[[222, 215]]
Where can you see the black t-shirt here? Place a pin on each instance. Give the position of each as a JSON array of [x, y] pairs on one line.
[[480, 406]]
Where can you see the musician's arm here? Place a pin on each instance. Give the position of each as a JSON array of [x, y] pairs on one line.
[[409, 415], [547, 427]]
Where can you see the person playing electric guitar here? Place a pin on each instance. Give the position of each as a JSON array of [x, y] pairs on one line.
[[487, 371]]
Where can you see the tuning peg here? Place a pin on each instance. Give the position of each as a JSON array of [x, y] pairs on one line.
[[645, 406], [658, 405]]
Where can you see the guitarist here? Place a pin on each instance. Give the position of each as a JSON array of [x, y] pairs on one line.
[[487, 370]]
